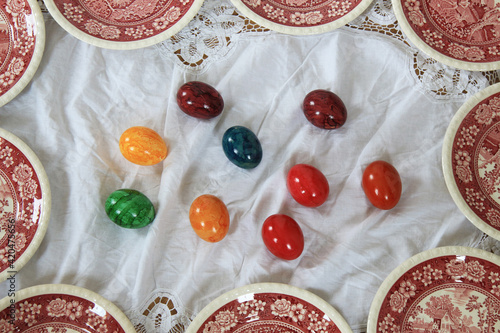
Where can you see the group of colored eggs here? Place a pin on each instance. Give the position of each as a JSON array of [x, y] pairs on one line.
[[208, 215], [130, 208]]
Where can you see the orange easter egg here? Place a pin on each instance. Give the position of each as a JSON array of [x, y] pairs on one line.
[[143, 146], [209, 218]]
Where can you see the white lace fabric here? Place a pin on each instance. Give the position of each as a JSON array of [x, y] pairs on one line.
[[399, 104], [217, 29]]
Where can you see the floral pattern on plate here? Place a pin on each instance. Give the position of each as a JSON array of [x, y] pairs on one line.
[[145, 22], [271, 307], [24, 198], [20, 37], [471, 159], [460, 33], [42, 309], [443, 290], [302, 16]]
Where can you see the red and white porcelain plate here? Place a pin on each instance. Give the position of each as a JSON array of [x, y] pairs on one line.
[[302, 17], [22, 41], [266, 307], [471, 160], [461, 33], [24, 204], [447, 289], [123, 24], [61, 308]]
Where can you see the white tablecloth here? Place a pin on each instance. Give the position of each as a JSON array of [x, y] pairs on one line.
[[399, 105]]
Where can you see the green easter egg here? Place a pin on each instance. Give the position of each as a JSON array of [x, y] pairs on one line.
[[129, 209]]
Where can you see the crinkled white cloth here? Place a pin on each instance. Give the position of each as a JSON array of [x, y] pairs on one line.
[[82, 98]]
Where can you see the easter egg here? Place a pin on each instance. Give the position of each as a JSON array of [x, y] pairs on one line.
[[324, 109], [283, 236], [209, 218], [199, 100], [143, 146], [307, 185], [129, 209], [242, 147], [382, 184]]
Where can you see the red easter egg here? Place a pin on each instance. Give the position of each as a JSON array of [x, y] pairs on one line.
[[324, 109], [307, 185], [382, 184], [283, 236], [200, 100]]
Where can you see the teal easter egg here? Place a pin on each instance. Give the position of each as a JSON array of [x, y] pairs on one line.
[[129, 209], [242, 147]]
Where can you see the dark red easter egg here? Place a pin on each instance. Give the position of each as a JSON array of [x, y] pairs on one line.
[[283, 236], [200, 100], [324, 109]]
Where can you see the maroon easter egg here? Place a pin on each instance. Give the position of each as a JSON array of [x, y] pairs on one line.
[[200, 100], [324, 109]]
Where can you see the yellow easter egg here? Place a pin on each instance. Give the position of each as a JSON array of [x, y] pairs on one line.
[[143, 146]]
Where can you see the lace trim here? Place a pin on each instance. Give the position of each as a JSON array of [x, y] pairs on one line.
[[441, 81], [218, 27], [160, 312], [210, 36]]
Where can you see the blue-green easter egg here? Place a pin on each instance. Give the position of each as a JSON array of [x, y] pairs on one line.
[[129, 209], [242, 147]]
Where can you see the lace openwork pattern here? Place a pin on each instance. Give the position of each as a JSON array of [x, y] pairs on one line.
[[218, 27], [161, 312], [434, 78], [209, 37]]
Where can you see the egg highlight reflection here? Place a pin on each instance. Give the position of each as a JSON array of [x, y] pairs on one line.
[[209, 218]]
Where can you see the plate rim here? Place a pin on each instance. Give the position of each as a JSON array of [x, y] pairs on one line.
[[371, 326], [45, 209], [72, 290], [269, 287], [302, 31], [117, 45], [36, 59], [449, 137], [422, 46]]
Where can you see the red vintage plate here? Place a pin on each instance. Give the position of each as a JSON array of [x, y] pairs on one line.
[[60, 308], [268, 307], [123, 24], [463, 34], [24, 204], [302, 17], [22, 41], [471, 163], [447, 289]]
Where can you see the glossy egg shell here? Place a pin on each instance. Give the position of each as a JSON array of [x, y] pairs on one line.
[[382, 184], [283, 236], [324, 109], [209, 218], [242, 147], [200, 100], [129, 209], [143, 146], [307, 185]]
